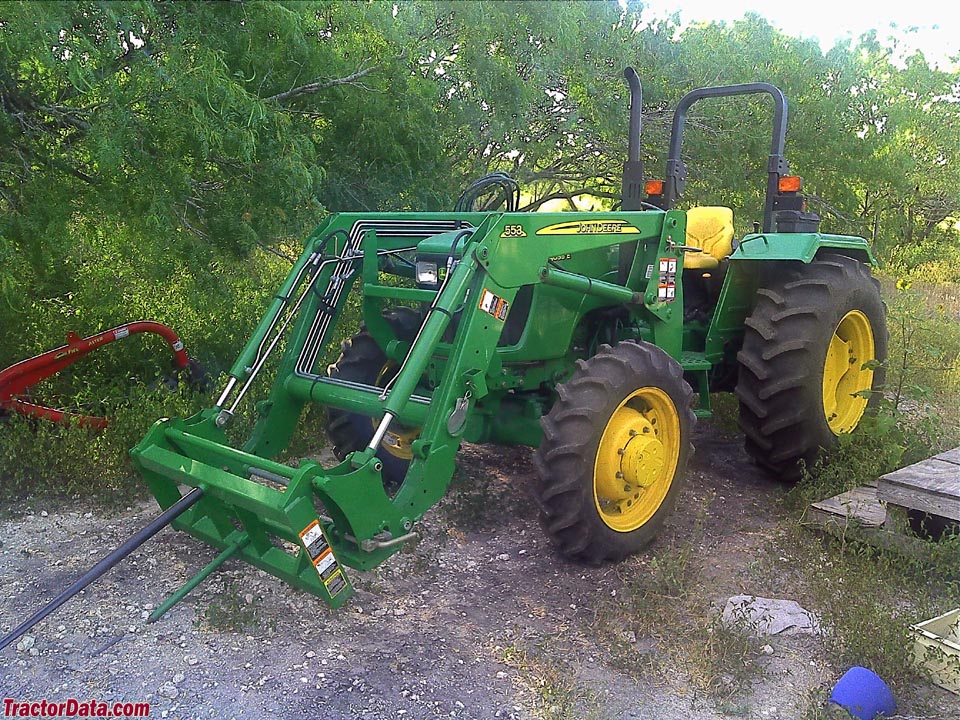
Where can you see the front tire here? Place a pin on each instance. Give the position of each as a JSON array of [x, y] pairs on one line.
[[811, 361], [615, 447], [363, 361]]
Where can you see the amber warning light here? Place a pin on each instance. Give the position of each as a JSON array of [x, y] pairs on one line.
[[790, 183], [653, 187]]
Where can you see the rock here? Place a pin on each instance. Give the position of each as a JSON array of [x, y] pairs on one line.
[[178, 678], [26, 642], [503, 557], [191, 659], [765, 616], [767, 650], [311, 654], [168, 690], [501, 675]]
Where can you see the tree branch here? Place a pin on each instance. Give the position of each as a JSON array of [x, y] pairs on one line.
[[274, 251], [53, 164], [318, 85], [568, 195], [186, 223]]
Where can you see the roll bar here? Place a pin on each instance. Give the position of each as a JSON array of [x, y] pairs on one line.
[[777, 165]]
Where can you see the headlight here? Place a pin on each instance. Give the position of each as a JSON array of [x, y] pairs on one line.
[[427, 273]]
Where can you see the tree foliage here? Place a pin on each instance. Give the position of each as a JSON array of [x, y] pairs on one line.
[[156, 157]]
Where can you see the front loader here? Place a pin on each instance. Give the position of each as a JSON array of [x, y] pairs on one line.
[[594, 337]]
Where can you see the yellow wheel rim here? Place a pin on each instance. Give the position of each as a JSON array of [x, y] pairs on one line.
[[845, 373], [398, 441], [636, 459]]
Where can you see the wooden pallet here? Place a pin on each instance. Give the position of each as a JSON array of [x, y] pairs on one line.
[[859, 506], [859, 515], [931, 486]]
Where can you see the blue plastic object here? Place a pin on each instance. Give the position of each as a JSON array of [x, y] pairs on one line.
[[863, 694]]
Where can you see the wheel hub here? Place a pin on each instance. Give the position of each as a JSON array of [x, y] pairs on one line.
[[643, 458], [631, 455], [399, 443]]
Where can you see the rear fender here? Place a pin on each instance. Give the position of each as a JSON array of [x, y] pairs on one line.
[[800, 246]]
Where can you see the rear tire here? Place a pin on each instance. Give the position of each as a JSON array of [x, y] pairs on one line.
[[363, 361], [802, 378], [615, 446]]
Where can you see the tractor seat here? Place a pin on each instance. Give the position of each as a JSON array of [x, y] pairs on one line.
[[711, 230]]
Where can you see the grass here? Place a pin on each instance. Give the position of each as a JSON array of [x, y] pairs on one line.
[[866, 599], [662, 624], [44, 459], [924, 358], [40, 458], [233, 610], [551, 684]]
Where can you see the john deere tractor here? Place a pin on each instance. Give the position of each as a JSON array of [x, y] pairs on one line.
[[595, 338]]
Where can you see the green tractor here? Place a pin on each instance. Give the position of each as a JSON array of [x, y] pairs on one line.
[[595, 338]]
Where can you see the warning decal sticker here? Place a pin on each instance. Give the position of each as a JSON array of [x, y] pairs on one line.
[[494, 305], [321, 555], [336, 583], [667, 287], [314, 541]]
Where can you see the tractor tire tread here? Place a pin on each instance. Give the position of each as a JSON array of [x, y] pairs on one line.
[[784, 349], [564, 462]]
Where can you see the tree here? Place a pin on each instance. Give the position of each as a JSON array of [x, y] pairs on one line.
[[150, 148]]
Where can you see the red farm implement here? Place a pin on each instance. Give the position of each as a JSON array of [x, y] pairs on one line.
[[19, 378]]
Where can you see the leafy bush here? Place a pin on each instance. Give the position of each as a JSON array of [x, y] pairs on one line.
[[40, 457]]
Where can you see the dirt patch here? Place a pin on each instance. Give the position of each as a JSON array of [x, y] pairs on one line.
[[479, 619]]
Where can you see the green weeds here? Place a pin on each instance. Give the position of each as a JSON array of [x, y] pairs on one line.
[[552, 684], [232, 610]]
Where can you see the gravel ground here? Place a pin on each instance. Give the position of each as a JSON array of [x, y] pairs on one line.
[[479, 619]]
